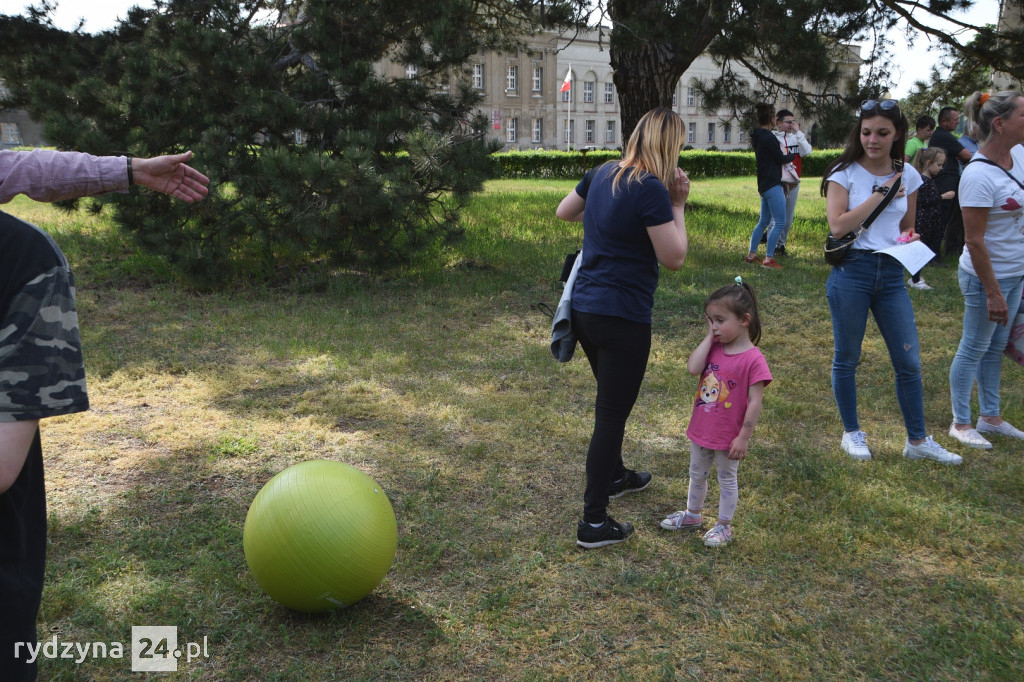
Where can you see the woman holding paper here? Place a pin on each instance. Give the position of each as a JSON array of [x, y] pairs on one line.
[[991, 271], [865, 280]]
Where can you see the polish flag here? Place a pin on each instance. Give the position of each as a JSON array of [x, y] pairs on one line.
[[567, 83]]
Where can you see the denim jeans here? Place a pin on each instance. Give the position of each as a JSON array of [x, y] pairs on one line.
[[617, 350], [790, 210], [869, 281], [773, 208], [980, 354]]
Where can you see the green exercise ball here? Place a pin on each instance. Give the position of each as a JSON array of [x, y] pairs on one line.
[[320, 535]]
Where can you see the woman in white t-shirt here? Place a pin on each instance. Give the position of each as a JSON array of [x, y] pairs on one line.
[[865, 280], [991, 268]]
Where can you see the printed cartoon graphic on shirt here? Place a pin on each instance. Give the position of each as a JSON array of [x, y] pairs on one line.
[[1012, 204], [714, 390]]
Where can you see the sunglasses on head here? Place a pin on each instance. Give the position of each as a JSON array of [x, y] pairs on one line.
[[884, 105]]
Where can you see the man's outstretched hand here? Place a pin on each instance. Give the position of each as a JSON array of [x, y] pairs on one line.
[[169, 175]]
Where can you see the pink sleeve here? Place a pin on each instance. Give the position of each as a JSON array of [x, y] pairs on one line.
[[46, 175], [759, 371]]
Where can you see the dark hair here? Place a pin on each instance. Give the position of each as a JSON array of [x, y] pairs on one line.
[[945, 111], [783, 113], [924, 121], [740, 300], [854, 149], [764, 113]]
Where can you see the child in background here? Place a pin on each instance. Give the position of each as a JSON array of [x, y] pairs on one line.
[[928, 222], [733, 376], [925, 127]]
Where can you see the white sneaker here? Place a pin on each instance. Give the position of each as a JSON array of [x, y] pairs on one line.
[[920, 285], [970, 437], [1004, 429], [929, 449], [855, 444]]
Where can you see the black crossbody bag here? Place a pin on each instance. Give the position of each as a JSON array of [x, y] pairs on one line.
[[836, 248]]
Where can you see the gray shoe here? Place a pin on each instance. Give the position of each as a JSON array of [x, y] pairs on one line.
[[1004, 429], [929, 449], [969, 437]]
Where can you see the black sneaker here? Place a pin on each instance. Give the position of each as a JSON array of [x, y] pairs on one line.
[[780, 250], [632, 482], [612, 532]]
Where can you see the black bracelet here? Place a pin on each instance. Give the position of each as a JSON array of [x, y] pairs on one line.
[[881, 189], [131, 180]]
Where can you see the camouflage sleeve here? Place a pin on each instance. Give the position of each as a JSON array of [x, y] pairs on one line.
[[41, 369]]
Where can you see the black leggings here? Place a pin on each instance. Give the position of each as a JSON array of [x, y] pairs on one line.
[[617, 350]]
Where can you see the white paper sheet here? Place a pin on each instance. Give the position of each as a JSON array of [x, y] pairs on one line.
[[914, 255]]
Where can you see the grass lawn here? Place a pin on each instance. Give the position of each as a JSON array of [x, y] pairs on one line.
[[440, 385]]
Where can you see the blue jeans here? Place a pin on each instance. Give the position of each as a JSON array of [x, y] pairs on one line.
[[980, 354], [790, 210], [869, 281], [773, 208]]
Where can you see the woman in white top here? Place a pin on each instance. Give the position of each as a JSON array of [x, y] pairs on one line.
[[991, 268], [864, 281]]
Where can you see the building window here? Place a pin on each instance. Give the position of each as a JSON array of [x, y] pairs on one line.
[[10, 133], [711, 132], [591, 132], [742, 136], [538, 78], [512, 78], [726, 131], [675, 99], [478, 76], [691, 133], [609, 132], [588, 92], [785, 97], [565, 94], [691, 98], [570, 132], [609, 93], [538, 130], [411, 71], [512, 130]]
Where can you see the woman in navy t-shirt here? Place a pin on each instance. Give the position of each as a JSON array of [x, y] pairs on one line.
[[632, 213]]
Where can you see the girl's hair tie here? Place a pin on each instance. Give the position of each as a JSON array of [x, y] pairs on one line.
[[984, 98], [739, 281]]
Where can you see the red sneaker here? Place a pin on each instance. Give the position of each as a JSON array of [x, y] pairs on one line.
[[771, 263], [750, 259]]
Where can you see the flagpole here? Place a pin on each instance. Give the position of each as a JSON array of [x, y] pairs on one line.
[[568, 112]]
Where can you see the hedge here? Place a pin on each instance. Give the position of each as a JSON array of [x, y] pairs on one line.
[[697, 163]]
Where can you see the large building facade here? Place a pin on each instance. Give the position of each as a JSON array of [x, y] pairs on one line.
[[527, 108]]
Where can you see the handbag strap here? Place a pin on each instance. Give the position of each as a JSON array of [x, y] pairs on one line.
[[875, 212], [993, 163], [886, 200]]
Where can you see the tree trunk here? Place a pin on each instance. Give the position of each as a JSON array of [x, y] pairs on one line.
[[650, 50]]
